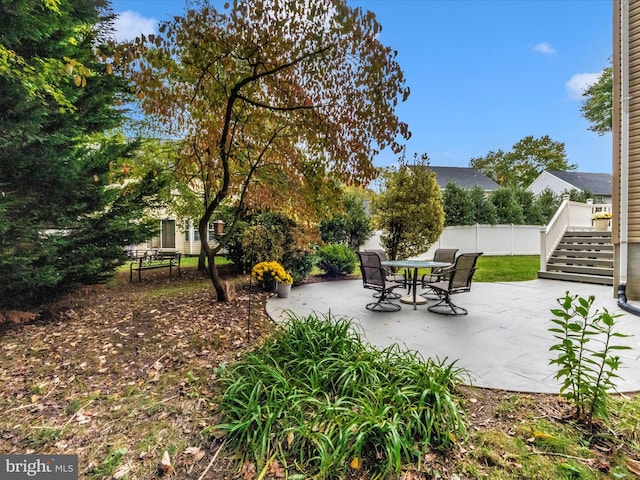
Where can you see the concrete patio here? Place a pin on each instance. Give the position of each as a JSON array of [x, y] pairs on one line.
[[503, 342]]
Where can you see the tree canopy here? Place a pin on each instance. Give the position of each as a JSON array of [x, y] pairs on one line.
[[597, 106], [527, 159], [409, 209], [273, 98]]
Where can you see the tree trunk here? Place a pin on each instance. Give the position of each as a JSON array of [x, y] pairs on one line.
[[202, 257], [221, 294]]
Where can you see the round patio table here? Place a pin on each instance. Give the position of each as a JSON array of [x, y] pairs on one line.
[[413, 266]]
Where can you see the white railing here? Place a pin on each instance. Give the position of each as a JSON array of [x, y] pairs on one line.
[[570, 215]]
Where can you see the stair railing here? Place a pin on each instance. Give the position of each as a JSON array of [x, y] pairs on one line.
[[576, 215]]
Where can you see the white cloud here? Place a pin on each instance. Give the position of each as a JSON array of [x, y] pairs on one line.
[[577, 84], [544, 48], [130, 25]]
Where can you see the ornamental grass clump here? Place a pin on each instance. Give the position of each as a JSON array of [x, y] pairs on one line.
[[321, 403]]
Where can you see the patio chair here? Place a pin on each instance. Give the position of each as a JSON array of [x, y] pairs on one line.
[[459, 281], [391, 276], [439, 274], [374, 277]]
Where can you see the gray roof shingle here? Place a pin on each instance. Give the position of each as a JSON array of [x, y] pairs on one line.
[[464, 177], [596, 183]]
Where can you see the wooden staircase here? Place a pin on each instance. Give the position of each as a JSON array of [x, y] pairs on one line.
[[582, 256]]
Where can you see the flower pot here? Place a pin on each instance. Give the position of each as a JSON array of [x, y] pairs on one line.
[[601, 224], [284, 289], [270, 285]]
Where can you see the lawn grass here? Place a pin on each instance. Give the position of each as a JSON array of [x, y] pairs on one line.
[[504, 268], [507, 268]]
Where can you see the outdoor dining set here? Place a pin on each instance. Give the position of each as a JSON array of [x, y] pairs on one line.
[[448, 273]]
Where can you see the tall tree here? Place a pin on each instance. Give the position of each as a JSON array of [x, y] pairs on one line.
[[409, 210], [527, 159], [270, 95], [62, 220], [597, 106]]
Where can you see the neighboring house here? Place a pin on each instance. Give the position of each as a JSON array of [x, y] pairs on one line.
[[176, 235], [464, 177], [598, 184], [626, 146]]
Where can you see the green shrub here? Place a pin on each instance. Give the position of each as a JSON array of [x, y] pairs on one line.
[[267, 237], [235, 249], [588, 372], [337, 259], [317, 399], [298, 263]]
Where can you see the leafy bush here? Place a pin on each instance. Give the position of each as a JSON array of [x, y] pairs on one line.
[[318, 400], [235, 249], [588, 372], [350, 227], [299, 263], [337, 259], [270, 236]]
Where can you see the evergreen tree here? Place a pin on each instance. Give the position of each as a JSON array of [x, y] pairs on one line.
[[459, 208], [548, 203], [485, 211], [508, 208], [63, 222], [530, 209]]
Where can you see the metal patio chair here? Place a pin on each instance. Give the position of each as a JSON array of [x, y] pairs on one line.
[[439, 274], [374, 277], [459, 281], [391, 276]]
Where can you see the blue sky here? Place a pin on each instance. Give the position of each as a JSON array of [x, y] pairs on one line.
[[483, 74]]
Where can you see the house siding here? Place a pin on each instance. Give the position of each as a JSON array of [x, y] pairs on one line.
[[546, 180], [632, 214]]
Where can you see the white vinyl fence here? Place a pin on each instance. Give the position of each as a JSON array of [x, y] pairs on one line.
[[489, 239]]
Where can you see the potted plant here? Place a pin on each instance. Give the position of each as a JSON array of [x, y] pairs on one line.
[[267, 273], [601, 220], [284, 284]]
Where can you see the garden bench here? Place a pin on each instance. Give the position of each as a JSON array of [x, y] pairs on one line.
[[154, 260]]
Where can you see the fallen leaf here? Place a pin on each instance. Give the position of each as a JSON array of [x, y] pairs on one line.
[[538, 434], [248, 470], [195, 452], [165, 464], [276, 470], [121, 472]]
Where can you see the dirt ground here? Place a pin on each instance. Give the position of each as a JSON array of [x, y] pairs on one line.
[[124, 375]]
